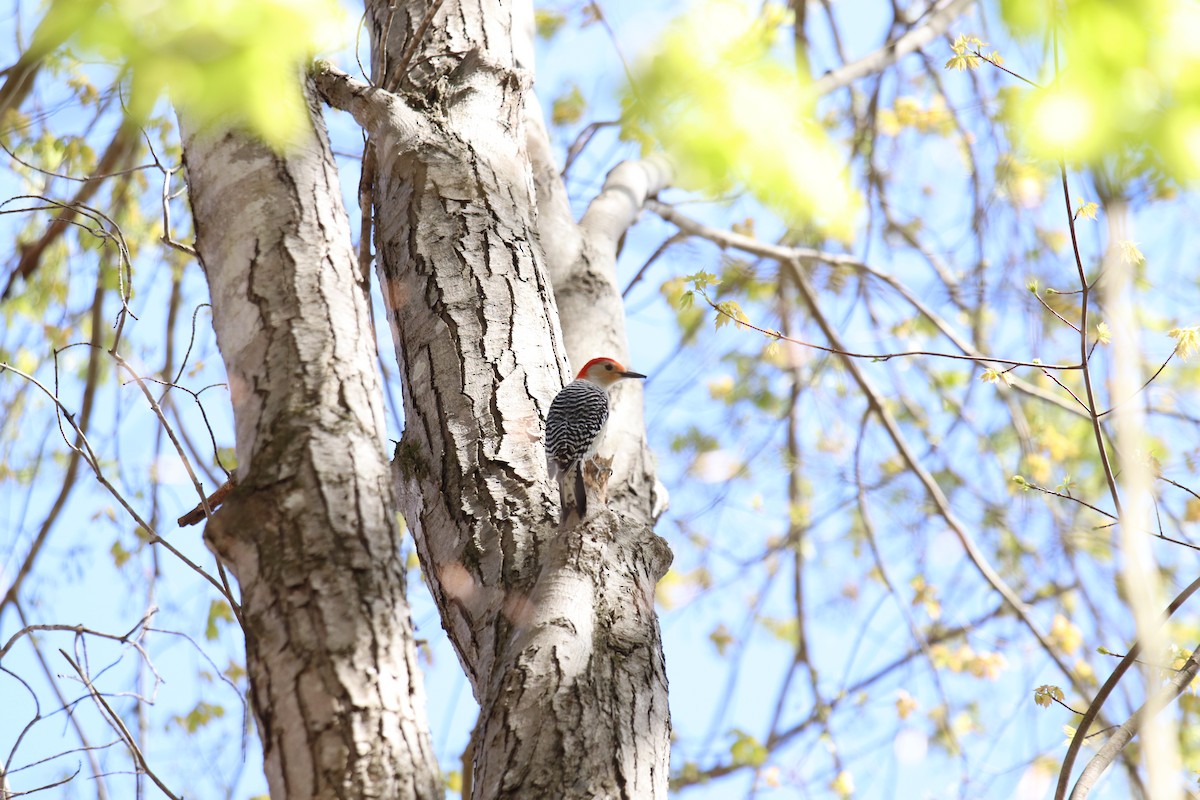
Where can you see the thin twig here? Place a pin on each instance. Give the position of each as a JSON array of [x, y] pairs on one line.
[[979, 359], [115, 720], [932, 489], [89, 456], [1157, 372], [1061, 318], [1044, 490]]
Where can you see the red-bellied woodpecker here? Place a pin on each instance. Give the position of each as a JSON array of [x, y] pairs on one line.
[[575, 426]]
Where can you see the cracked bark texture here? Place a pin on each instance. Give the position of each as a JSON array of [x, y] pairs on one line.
[[310, 532], [556, 632]]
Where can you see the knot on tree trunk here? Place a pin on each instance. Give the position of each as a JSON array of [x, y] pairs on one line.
[[229, 532]]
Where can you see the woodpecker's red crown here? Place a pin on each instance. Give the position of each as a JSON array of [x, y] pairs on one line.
[[605, 372]]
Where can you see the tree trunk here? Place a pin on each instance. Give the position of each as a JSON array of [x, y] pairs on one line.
[[310, 531], [556, 631]]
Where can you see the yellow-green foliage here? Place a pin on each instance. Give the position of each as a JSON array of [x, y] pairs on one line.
[[733, 114], [234, 61], [1130, 78]]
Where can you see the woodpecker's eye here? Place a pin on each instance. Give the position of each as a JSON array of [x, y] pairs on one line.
[[608, 367]]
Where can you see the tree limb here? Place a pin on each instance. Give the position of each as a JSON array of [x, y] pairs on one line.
[[381, 113], [933, 24], [561, 239], [932, 488], [1178, 683], [331, 657], [626, 189], [1093, 709], [782, 254]]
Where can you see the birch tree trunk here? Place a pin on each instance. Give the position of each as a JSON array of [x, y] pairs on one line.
[[310, 531]]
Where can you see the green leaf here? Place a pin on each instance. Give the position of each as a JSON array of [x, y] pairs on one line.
[[746, 750], [785, 630], [120, 555], [568, 108], [721, 637], [1130, 253], [702, 280], [731, 311], [843, 784], [963, 63], [548, 22], [965, 43], [1187, 340], [454, 780], [227, 458], [965, 48], [218, 611], [227, 63], [1110, 103], [202, 714], [731, 115], [993, 375]]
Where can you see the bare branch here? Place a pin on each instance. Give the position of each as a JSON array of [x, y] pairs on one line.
[[877, 356], [1178, 683], [560, 236], [1093, 711], [933, 490], [932, 25], [1084, 354], [625, 192], [784, 254]]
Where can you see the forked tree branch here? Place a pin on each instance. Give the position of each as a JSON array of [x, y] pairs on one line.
[[381, 113], [1093, 710], [1125, 732]]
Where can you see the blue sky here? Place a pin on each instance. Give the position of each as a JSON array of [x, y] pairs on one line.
[[855, 626]]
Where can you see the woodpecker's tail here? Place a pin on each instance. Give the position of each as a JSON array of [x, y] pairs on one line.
[[580, 491], [572, 494]]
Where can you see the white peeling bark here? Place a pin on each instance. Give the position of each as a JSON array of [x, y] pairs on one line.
[[310, 530], [556, 633]]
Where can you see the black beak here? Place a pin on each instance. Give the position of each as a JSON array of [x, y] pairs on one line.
[[632, 375]]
